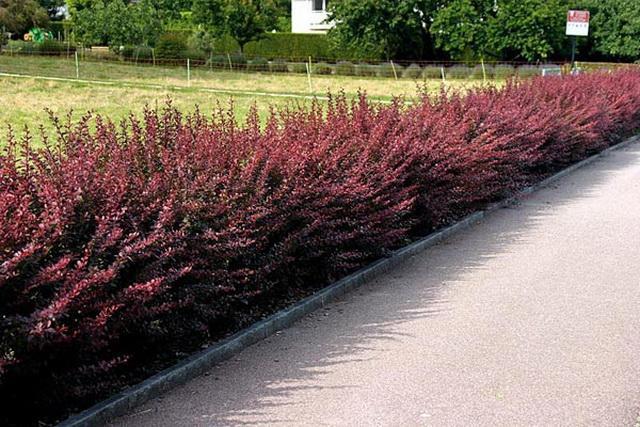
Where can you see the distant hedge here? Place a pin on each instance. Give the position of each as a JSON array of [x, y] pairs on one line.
[[295, 46]]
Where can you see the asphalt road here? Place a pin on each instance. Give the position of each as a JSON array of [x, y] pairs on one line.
[[531, 317]]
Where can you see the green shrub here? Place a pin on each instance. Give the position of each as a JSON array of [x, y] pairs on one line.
[[48, 47], [172, 45], [290, 46], [297, 67], [529, 71], [220, 62], [413, 71], [294, 46], [345, 68], [258, 64], [458, 72], [143, 53], [365, 70], [322, 68], [432, 72], [504, 71], [227, 44], [478, 73], [278, 65], [238, 61], [389, 70]]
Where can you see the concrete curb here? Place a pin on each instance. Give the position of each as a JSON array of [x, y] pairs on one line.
[[199, 363]]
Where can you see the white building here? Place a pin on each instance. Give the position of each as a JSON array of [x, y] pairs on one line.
[[309, 16]]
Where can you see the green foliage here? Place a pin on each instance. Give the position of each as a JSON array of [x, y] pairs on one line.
[[615, 26], [278, 65], [300, 46], [172, 46], [345, 68], [382, 27], [389, 70], [365, 70], [504, 71], [290, 46], [19, 16], [48, 47], [244, 20], [413, 71], [322, 68], [509, 29], [258, 64], [431, 72], [116, 23]]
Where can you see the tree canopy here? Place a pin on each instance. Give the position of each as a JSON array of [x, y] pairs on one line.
[[244, 20], [19, 16]]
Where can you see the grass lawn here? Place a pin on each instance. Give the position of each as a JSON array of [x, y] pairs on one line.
[[23, 100]]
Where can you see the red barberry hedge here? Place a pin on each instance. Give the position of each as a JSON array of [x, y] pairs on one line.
[[124, 246]]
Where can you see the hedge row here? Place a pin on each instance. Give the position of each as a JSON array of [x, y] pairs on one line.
[[300, 46], [125, 247]]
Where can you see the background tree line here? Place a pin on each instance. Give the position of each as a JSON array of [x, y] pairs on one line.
[[526, 30]]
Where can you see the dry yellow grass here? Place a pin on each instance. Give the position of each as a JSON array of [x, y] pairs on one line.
[[128, 88]]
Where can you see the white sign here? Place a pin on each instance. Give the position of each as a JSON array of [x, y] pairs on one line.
[[578, 23]]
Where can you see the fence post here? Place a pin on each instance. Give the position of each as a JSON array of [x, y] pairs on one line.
[[77, 66], [393, 67], [188, 71], [230, 64], [484, 71], [444, 79], [309, 76]]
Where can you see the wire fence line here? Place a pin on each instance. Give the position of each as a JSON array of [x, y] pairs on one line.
[[400, 69]]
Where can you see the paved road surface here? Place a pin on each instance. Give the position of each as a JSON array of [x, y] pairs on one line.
[[531, 317]]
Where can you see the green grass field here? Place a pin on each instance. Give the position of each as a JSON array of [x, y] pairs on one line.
[[118, 89]]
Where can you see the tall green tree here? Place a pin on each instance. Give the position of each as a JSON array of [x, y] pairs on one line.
[[118, 23], [244, 20], [388, 28], [615, 27], [19, 16], [502, 29]]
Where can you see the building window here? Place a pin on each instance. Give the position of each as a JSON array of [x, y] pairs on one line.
[[319, 5]]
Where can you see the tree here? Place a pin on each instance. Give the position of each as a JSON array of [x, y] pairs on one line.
[[19, 16], [244, 20], [116, 23], [615, 27], [506, 29], [389, 28]]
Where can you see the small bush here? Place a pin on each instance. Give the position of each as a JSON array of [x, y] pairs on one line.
[[432, 72], [219, 62], [323, 68], [172, 46], [504, 71], [365, 70], [140, 53], [258, 64], [413, 71], [278, 65], [297, 67], [478, 73], [345, 68], [387, 70], [458, 72], [529, 71]]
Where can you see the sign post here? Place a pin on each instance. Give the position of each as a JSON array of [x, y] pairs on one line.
[[577, 26]]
